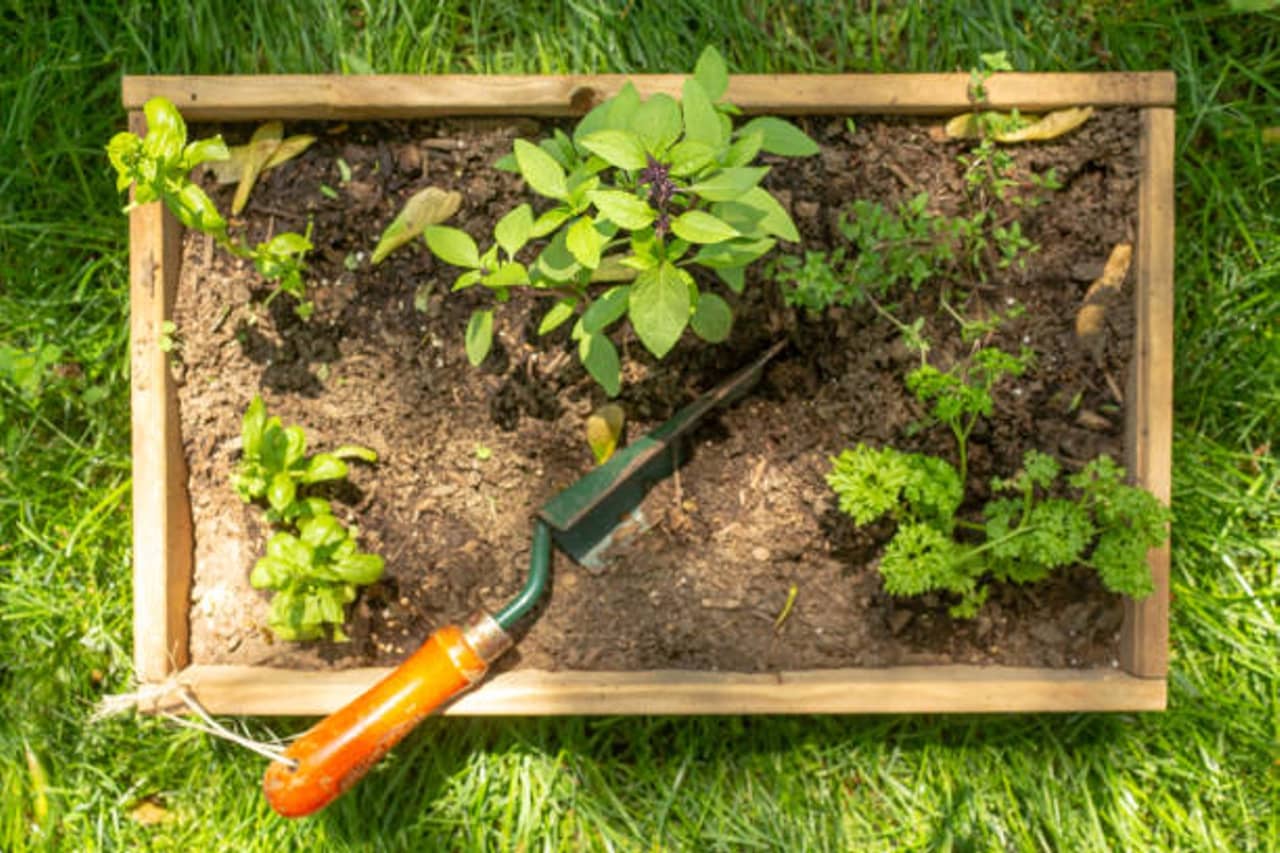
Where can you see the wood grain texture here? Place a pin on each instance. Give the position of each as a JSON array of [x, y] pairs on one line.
[[231, 98], [1144, 638], [161, 508], [916, 689]]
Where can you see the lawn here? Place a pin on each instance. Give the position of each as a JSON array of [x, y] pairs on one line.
[[1204, 775]]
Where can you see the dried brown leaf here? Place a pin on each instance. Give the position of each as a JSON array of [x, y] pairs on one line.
[[1091, 317]]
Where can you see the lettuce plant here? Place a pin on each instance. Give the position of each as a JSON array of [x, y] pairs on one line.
[[642, 192]]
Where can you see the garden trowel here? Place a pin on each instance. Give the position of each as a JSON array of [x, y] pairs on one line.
[[340, 749]]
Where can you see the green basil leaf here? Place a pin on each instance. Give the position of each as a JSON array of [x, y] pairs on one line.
[[620, 148], [556, 262], [550, 221], [781, 137], [195, 210], [712, 319], [204, 151], [322, 467], [507, 275], [711, 72], [362, 569], [757, 213], [599, 356], [166, 131], [613, 114], [734, 277], [270, 573], [743, 150], [295, 446], [698, 226], [729, 184], [514, 229], [732, 253], [604, 311], [659, 308], [623, 208], [688, 156], [251, 426], [281, 491], [540, 170], [479, 336], [557, 315], [322, 531], [701, 121], [452, 245], [585, 242], [658, 123]]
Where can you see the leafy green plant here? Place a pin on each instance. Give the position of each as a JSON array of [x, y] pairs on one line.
[[314, 574], [961, 394], [158, 168], [274, 463], [1107, 524], [641, 192], [312, 563], [909, 246]]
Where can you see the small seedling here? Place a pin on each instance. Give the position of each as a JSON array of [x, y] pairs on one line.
[[312, 561], [315, 574], [274, 464], [961, 394], [642, 192], [157, 167]]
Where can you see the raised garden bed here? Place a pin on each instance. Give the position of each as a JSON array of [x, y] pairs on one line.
[[750, 516]]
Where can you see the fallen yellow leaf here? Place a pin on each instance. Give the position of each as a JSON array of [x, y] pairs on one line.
[[1093, 311], [266, 139], [1028, 129], [148, 812], [228, 171], [604, 430], [430, 206]]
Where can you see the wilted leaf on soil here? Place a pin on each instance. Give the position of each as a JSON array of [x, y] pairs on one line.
[[1031, 129], [430, 206], [1097, 299], [604, 431], [266, 139], [228, 171]]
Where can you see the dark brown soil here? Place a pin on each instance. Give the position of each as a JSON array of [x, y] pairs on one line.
[[467, 456]]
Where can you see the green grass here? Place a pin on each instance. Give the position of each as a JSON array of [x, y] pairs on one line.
[[1202, 776]]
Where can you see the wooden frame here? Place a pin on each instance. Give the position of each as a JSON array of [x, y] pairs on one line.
[[163, 553]]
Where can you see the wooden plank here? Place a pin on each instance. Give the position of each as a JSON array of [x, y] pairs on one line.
[[161, 508], [916, 689], [1144, 639], [232, 98]]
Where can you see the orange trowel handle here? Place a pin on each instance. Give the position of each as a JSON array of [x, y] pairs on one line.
[[341, 748]]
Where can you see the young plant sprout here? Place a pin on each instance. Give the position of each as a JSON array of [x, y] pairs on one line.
[[312, 561], [641, 193], [158, 167]]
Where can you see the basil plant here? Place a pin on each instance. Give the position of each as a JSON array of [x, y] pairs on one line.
[[643, 191]]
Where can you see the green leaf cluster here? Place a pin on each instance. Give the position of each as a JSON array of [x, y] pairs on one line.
[[887, 250], [158, 168], [642, 191], [312, 561], [1105, 524], [961, 394]]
